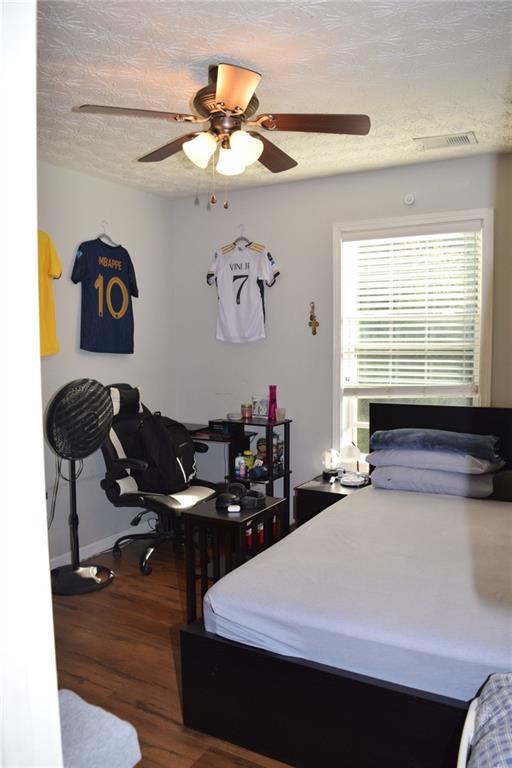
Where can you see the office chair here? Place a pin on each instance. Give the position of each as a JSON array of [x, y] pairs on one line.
[[126, 465]]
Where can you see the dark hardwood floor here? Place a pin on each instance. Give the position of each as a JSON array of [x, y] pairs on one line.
[[119, 649]]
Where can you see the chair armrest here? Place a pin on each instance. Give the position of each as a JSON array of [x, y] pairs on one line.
[[130, 464], [200, 447], [116, 471]]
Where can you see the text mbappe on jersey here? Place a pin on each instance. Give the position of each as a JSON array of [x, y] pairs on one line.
[[104, 261]]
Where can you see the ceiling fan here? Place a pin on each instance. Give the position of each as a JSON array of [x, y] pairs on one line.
[[228, 104]]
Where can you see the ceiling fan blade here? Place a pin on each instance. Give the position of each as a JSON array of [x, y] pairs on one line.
[[274, 158], [98, 109], [235, 86], [351, 124], [167, 150]]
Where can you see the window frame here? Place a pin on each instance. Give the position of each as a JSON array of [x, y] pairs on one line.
[[403, 225]]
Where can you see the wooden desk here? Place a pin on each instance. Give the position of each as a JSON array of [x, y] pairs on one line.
[[231, 539]]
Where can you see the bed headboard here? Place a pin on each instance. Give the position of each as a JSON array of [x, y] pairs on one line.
[[455, 418]]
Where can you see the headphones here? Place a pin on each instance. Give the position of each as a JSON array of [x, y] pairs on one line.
[[237, 493]]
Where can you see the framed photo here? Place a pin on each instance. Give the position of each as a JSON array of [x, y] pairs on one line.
[[260, 406]]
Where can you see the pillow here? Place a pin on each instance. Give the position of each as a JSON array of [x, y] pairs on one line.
[[503, 486], [447, 461], [482, 446], [492, 739], [126, 400], [432, 481]]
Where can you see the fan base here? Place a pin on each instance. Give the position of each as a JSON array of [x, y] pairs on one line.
[[205, 103], [66, 581]]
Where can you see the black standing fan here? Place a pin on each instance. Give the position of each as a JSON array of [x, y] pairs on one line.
[[78, 420]]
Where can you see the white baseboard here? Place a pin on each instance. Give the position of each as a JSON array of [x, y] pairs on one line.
[[99, 546]]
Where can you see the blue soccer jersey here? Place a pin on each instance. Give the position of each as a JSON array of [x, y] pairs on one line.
[[108, 283]]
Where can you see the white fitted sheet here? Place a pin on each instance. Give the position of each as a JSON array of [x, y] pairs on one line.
[[406, 587]]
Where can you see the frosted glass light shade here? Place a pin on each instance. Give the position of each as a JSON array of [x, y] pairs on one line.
[[331, 459], [200, 149], [247, 147], [229, 163]]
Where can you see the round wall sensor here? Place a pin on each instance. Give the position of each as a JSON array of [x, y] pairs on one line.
[[409, 199]]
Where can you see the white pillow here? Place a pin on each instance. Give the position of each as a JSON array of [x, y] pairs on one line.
[[432, 481], [447, 461]]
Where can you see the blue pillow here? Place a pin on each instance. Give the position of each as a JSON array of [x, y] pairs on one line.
[[481, 446], [446, 461]]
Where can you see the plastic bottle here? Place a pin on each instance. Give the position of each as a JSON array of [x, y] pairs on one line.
[[242, 468], [272, 402], [238, 461], [249, 460]]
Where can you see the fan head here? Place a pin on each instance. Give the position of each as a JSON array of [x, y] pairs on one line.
[[229, 105], [78, 418]]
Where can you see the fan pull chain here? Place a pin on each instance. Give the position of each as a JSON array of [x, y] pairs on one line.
[[226, 201], [198, 187], [213, 198]]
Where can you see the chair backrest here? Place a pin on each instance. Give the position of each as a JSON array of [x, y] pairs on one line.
[[123, 438], [137, 434]]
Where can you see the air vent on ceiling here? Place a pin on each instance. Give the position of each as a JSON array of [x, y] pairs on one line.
[[442, 142]]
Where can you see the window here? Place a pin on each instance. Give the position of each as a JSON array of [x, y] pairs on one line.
[[412, 311]]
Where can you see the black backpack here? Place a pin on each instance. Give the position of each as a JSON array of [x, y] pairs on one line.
[[169, 449]]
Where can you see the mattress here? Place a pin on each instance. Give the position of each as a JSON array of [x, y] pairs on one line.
[[405, 587]]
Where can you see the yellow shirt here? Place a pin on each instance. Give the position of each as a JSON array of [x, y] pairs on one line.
[[49, 268]]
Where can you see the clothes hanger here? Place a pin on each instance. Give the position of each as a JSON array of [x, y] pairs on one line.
[[103, 236], [241, 238]]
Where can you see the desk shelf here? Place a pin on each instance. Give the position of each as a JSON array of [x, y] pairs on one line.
[[238, 439], [251, 481], [239, 446]]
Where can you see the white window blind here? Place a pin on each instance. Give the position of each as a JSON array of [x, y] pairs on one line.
[[412, 313]]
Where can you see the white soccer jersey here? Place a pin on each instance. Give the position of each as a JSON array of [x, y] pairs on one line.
[[240, 272]]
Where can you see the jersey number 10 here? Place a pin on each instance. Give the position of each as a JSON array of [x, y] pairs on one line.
[[107, 294]]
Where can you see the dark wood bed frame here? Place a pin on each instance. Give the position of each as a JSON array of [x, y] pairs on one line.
[[310, 715]]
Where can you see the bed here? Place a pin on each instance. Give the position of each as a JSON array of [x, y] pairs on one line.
[[349, 663]]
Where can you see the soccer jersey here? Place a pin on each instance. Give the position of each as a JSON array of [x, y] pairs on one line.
[[108, 283], [240, 272], [49, 269]]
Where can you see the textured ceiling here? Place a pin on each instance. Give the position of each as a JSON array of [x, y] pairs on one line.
[[417, 68]]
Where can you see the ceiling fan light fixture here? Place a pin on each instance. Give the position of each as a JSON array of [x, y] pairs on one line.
[[247, 147], [200, 148], [229, 163]]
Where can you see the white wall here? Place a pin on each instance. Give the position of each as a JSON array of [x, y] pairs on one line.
[[29, 708], [180, 366], [502, 348], [295, 222], [71, 208]]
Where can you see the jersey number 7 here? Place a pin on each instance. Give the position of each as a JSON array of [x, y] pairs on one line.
[[244, 279]]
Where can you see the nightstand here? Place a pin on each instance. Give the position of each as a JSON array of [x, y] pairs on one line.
[[316, 495]]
